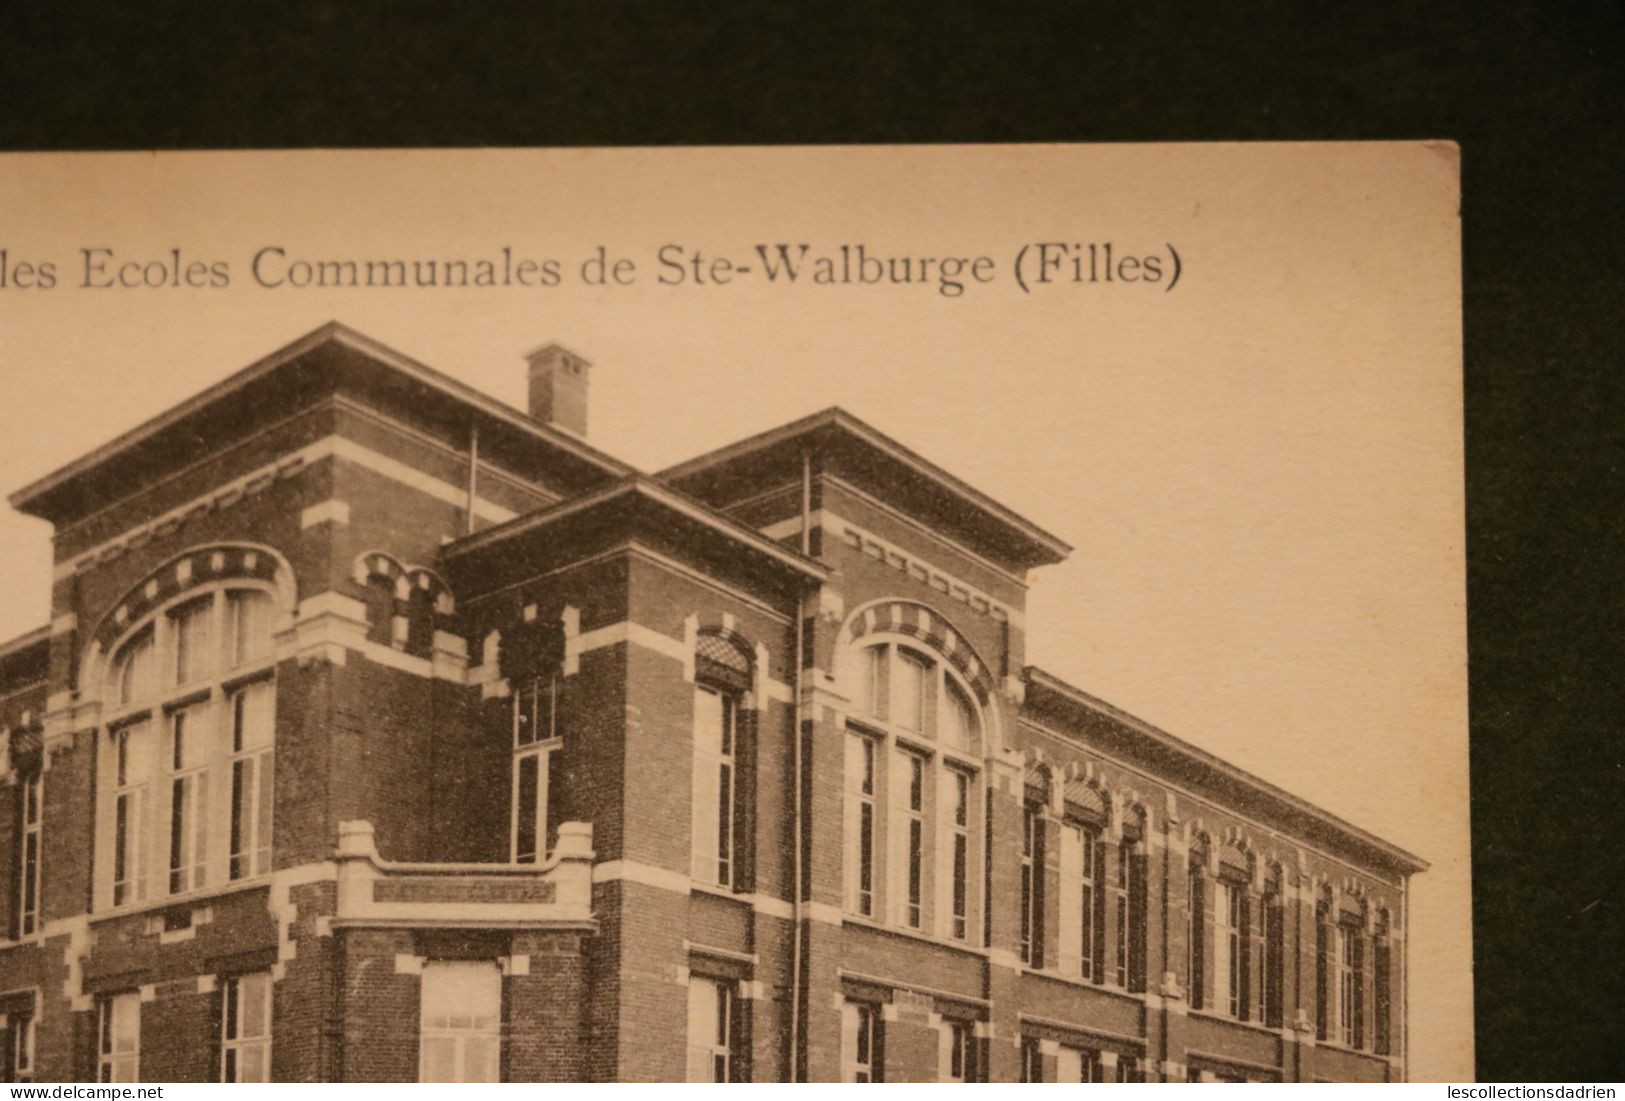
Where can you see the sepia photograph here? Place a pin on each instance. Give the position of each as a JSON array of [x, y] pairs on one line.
[[839, 614]]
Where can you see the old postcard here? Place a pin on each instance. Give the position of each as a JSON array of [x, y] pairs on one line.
[[807, 614]]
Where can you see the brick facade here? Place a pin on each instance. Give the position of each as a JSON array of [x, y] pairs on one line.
[[415, 602]]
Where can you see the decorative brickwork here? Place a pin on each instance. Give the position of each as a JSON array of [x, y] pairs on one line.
[[417, 608]]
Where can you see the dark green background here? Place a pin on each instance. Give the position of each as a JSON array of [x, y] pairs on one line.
[[1531, 91]]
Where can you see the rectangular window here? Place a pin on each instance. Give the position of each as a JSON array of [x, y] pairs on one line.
[[1227, 958], [1079, 854], [22, 1047], [189, 634], [252, 734], [1074, 1064], [1381, 995], [461, 1015], [956, 1060], [861, 1042], [908, 838], [1032, 1060], [710, 1030], [1196, 948], [1120, 901], [530, 805], [956, 801], [715, 805], [28, 855], [245, 1028], [188, 800], [535, 712], [535, 736], [1274, 945], [119, 1032], [1344, 948], [1129, 1069], [860, 824], [132, 749], [1032, 888]]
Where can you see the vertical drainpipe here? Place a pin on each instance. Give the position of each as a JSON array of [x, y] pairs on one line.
[[473, 473], [797, 988]]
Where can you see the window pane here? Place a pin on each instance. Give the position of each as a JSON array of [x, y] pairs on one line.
[[959, 727], [250, 617], [256, 991], [527, 797], [913, 677], [190, 632], [134, 669], [461, 1009]]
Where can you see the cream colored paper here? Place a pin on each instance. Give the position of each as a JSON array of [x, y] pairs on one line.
[[1260, 468]]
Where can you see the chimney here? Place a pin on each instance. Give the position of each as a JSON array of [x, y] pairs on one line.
[[558, 388]]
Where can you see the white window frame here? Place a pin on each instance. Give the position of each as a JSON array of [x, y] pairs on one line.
[[957, 795], [460, 1029], [862, 859], [1227, 948], [115, 1013], [1343, 961], [910, 869], [710, 1029], [861, 1040], [1077, 1064], [1080, 881], [187, 853], [30, 853], [715, 789], [538, 748], [1032, 917], [1030, 1052], [22, 1031], [249, 823], [237, 994], [132, 810], [956, 1051], [881, 667], [144, 690]]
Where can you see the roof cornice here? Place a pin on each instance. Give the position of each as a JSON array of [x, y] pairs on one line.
[[24, 642], [838, 418], [339, 334], [638, 486], [1407, 861]]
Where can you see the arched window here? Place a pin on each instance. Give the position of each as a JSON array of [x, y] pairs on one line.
[[1196, 928], [1340, 968], [1270, 994], [915, 733], [1034, 837], [1129, 901], [1232, 934], [185, 785], [1382, 994], [722, 679], [1082, 939]]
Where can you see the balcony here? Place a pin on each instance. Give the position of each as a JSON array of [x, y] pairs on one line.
[[373, 891]]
